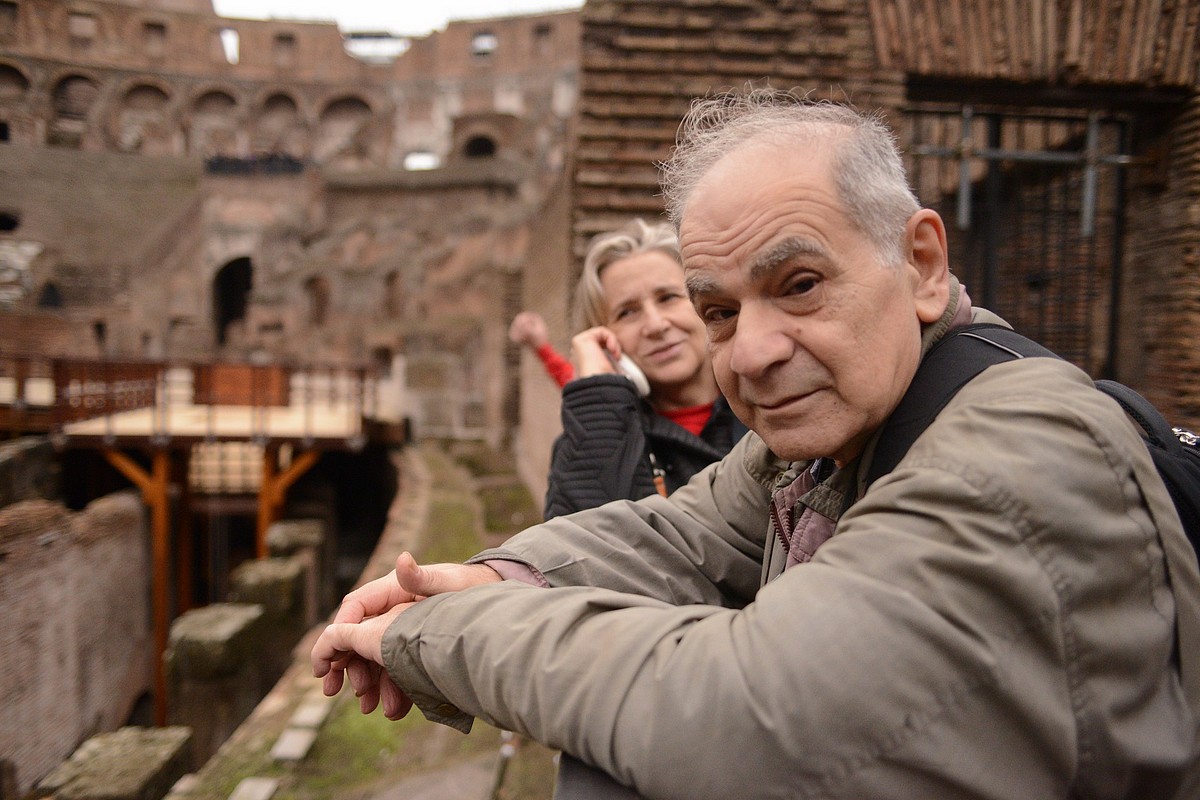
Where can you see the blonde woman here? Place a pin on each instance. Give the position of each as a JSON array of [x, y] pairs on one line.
[[620, 442]]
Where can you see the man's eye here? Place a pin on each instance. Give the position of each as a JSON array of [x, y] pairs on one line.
[[713, 316], [802, 285]]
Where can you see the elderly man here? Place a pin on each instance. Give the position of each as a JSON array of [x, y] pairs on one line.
[[998, 617]]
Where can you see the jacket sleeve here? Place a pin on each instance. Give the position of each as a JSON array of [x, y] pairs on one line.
[[599, 456], [682, 549], [991, 620]]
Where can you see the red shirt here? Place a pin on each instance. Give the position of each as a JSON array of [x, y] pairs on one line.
[[691, 419]]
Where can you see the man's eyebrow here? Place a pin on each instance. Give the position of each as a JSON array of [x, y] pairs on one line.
[[764, 263], [700, 284]]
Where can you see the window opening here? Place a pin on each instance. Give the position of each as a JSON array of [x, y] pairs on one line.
[[284, 50], [479, 147], [483, 44], [231, 294], [8, 18], [230, 42], [154, 38], [82, 29], [9, 221], [421, 160], [50, 296], [318, 293]]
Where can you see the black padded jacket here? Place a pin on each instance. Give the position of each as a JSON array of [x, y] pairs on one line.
[[608, 436]]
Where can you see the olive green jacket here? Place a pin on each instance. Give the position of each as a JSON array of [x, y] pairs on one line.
[[997, 618]]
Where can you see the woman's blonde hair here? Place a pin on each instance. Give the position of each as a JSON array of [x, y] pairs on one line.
[[633, 238]]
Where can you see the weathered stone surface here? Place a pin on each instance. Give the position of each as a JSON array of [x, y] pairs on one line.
[[287, 536], [273, 583], [214, 641], [128, 764]]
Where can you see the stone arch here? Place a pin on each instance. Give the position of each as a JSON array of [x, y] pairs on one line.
[[279, 127], [13, 84], [214, 124], [142, 122], [230, 297], [72, 100], [342, 131]]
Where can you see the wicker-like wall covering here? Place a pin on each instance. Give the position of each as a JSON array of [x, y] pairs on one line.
[[1143, 42]]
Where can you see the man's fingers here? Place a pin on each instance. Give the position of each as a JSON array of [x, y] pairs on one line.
[[331, 684], [371, 599], [396, 704], [440, 578]]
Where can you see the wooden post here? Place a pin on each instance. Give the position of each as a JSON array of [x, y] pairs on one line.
[[154, 486], [273, 490]]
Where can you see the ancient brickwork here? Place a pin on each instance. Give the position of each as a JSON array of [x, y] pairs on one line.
[[1139, 42], [294, 212], [74, 598], [643, 62]]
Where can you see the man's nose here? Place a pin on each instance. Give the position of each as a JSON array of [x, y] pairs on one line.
[[759, 342]]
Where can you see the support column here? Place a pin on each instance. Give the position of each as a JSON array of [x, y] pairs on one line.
[[154, 486]]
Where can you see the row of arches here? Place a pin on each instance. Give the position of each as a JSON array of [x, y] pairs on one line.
[[149, 118]]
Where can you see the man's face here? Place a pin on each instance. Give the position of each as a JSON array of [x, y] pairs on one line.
[[813, 342]]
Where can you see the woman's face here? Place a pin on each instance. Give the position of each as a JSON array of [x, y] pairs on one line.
[[649, 312]]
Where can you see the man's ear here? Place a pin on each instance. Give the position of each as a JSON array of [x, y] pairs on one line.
[[926, 253]]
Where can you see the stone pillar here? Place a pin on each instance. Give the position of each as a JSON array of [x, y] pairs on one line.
[[305, 540], [128, 764], [214, 672], [277, 585]]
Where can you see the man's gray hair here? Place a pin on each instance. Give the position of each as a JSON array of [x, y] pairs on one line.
[[867, 168], [635, 237]]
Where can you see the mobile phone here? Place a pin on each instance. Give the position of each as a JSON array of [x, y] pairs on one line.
[[634, 373]]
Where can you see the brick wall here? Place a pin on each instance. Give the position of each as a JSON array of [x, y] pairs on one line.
[[74, 595]]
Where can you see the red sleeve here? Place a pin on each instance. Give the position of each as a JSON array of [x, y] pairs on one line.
[[559, 368]]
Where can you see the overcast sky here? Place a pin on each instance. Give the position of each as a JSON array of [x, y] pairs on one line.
[[408, 17]]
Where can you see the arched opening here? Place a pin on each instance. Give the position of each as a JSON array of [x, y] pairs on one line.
[[479, 147], [142, 118], [13, 83], [342, 133], [9, 221], [50, 296], [231, 294], [214, 125], [317, 290], [73, 97]]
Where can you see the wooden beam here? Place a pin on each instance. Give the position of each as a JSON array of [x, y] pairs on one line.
[[273, 491]]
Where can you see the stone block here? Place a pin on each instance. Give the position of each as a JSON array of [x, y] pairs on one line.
[[276, 584], [255, 789], [128, 764], [293, 744], [213, 642], [287, 537]]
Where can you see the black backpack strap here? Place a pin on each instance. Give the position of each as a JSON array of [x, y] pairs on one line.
[[949, 365]]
